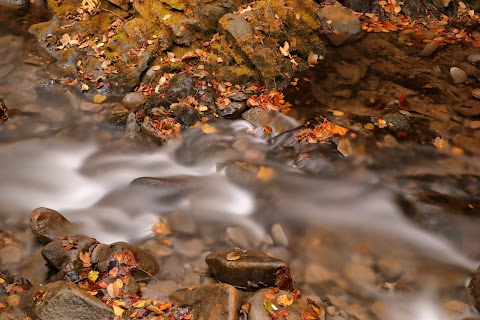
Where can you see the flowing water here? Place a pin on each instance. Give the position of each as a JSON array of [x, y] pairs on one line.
[[347, 233]]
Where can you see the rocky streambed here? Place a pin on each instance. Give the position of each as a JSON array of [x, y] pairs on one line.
[[351, 194]]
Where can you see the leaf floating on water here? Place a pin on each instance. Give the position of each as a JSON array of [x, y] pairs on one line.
[[99, 98], [232, 256], [307, 316], [284, 300], [206, 128]]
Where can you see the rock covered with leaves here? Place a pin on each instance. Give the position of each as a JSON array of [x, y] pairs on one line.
[[106, 46]]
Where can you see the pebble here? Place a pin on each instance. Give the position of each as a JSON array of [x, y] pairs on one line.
[[474, 58], [358, 272], [91, 107], [458, 75], [11, 254], [243, 267], [468, 143], [456, 307], [133, 100]]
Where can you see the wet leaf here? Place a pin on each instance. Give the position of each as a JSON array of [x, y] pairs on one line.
[[344, 147], [206, 128], [13, 300], [318, 310], [86, 259], [307, 316], [118, 311], [139, 304], [369, 126], [232, 256], [85, 87], [113, 290], [269, 296], [284, 300], [269, 305], [99, 98], [265, 174], [93, 275]]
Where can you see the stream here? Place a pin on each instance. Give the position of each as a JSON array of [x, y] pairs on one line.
[[350, 225]]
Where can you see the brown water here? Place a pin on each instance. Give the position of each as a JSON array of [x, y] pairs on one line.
[[351, 226]]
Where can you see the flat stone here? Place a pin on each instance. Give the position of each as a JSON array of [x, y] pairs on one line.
[[276, 120], [210, 301], [470, 108], [343, 20], [233, 110], [63, 300], [244, 267], [297, 308], [474, 58], [47, 224]]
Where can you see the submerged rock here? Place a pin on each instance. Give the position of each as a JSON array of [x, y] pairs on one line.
[[458, 75]]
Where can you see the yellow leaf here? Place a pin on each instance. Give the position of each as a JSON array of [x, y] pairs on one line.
[[13, 300], [93, 275], [232, 256], [139, 304], [99, 98], [118, 311], [85, 87], [284, 300], [265, 174], [206, 128], [119, 283]]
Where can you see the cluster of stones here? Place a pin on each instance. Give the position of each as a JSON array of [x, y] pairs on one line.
[[92, 280]]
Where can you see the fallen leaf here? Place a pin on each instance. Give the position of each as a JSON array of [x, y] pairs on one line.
[[99, 98], [93, 275], [284, 300], [265, 174], [232, 256], [118, 311]]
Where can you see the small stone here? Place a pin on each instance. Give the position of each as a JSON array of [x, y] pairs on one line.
[[318, 274], [428, 50], [278, 235], [359, 272], [267, 301], [474, 58], [63, 300], [233, 110], [331, 310], [389, 267], [91, 107], [210, 301], [47, 224], [186, 115], [251, 266], [133, 100], [240, 237], [470, 108], [458, 75], [59, 253], [467, 143], [103, 254], [476, 93]]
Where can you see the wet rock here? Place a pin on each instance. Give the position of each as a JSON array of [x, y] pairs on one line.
[[276, 120], [47, 224], [428, 50], [186, 115], [476, 93], [133, 100], [66, 252], [210, 301], [242, 267], [474, 58], [456, 307], [63, 300], [180, 87], [91, 107], [34, 268], [458, 75], [272, 307], [470, 108], [116, 119], [11, 254], [233, 110], [151, 132], [103, 255], [241, 237], [341, 19], [351, 73]]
